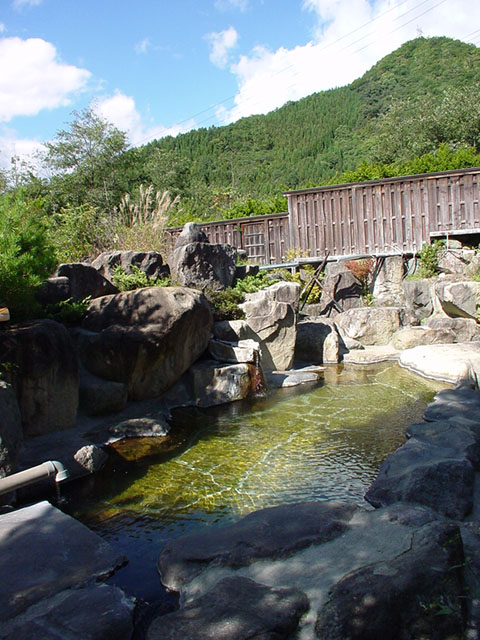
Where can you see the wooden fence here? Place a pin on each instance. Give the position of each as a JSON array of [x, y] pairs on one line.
[[380, 217]]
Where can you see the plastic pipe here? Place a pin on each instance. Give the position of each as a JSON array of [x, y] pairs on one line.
[[34, 474]]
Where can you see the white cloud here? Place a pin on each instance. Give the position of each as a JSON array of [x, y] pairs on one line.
[[32, 78], [18, 4], [25, 149], [348, 37], [121, 111], [221, 43], [2, 27], [226, 5], [143, 46]]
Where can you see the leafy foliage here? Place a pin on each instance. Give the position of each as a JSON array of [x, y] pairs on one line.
[[68, 311], [27, 256], [428, 257], [136, 279]]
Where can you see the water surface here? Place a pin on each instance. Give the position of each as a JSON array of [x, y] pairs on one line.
[[324, 443]]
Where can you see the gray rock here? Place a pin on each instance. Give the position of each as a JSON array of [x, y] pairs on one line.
[[452, 261], [53, 290], [204, 266], [239, 351], [43, 371], [141, 428], [470, 532], [448, 362], [269, 533], [99, 396], [191, 233], [235, 609], [213, 384], [85, 280], [387, 287], [453, 403], [418, 297], [340, 291], [232, 330], [369, 325], [464, 329], [313, 344], [91, 458], [459, 299], [45, 552], [92, 612], [149, 262], [271, 316], [409, 337], [244, 270], [146, 338], [404, 597], [285, 379], [437, 476]]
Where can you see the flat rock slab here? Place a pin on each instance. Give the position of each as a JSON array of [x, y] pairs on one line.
[[235, 609], [372, 354], [447, 362], [44, 552], [283, 379], [358, 539]]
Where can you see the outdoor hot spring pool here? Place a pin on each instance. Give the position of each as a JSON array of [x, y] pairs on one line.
[[320, 443]]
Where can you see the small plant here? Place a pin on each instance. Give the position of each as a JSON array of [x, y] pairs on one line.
[[68, 311], [225, 304], [368, 298], [253, 283], [363, 270], [428, 257], [294, 254], [136, 279]]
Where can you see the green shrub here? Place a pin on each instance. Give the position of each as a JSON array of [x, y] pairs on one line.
[[136, 279], [225, 304], [68, 311], [27, 255], [253, 283], [428, 257]]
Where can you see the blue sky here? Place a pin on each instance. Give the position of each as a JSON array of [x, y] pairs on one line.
[[154, 67]]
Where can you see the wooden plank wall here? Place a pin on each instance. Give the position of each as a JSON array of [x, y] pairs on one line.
[[390, 216]]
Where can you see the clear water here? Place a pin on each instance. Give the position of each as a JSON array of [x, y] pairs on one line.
[[324, 443]]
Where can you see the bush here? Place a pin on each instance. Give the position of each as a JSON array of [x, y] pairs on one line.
[[68, 311], [27, 255], [136, 279], [225, 304], [428, 258]]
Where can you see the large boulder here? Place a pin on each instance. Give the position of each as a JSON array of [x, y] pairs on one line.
[[99, 396], [387, 287], [43, 371], [85, 281], [235, 609], [213, 383], [415, 595], [150, 262], [448, 362], [418, 297], [369, 325], [409, 337], [11, 434], [204, 266], [459, 299], [453, 261], [341, 290], [317, 341], [271, 316], [464, 329], [191, 232], [146, 338]]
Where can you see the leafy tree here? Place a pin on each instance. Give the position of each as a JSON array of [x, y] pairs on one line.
[[27, 256], [86, 160]]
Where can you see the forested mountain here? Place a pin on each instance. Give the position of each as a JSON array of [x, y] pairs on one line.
[[309, 141]]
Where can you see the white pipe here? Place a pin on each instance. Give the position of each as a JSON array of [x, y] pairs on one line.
[[34, 474]]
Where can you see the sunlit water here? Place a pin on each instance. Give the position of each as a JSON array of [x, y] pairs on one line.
[[324, 443]]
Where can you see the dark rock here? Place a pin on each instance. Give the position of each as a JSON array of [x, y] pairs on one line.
[[99, 396], [145, 338], [85, 281], [244, 270], [459, 299], [191, 233], [416, 595], [451, 403], [458, 436], [464, 329], [92, 612], [212, 383], [418, 296], [11, 435], [340, 292], [471, 545], [204, 266], [53, 290], [235, 609], [149, 262], [269, 533], [43, 371], [313, 337], [141, 428], [436, 476]]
